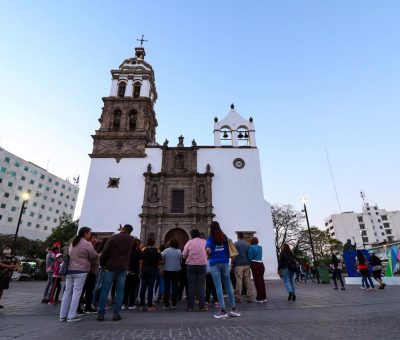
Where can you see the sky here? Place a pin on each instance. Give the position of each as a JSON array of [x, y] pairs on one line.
[[318, 77]]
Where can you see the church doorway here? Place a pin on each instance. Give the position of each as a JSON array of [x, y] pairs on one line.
[[179, 234]]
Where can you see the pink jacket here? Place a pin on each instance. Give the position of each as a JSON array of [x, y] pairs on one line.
[[195, 252], [82, 256]]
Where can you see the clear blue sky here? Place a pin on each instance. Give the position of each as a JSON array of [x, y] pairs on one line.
[[312, 74]]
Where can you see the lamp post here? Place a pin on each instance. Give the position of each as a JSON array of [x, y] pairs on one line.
[[304, 201], [25, 197]]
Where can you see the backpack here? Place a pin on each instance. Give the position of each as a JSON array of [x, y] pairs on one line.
[[64, 266]]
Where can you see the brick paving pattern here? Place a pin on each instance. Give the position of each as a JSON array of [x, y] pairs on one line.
[[319, 313]]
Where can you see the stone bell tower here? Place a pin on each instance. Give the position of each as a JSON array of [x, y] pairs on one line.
[[128, 121]]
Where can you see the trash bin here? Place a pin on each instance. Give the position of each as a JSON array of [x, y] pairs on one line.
[[323, 275]]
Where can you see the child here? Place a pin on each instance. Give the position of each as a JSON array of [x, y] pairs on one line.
[[56, 284]]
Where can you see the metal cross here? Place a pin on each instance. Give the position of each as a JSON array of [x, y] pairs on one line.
[[141, 40]]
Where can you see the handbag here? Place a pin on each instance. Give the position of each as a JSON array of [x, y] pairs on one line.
[[232, 249]]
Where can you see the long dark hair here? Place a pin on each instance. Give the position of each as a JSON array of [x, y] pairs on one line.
[[335, 261], [216, 233], [286, 250], [360, 257], [81, 233]]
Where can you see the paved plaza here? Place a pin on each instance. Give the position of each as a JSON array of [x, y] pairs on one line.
[[319, 313]]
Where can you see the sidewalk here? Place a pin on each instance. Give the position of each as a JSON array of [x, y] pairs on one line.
[[319, 313]]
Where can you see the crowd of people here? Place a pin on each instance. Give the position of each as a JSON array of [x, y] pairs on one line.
[[124, 273]]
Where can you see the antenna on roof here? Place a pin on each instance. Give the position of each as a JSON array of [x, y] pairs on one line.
[[333, 181]]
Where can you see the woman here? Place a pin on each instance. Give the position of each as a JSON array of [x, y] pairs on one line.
[[218, 251], [149, 262], [288, 267], [195, 255], [81, 256], [132, 278], [376, 266], [172, 257], [362, 266], [336, 266], [257, 269]]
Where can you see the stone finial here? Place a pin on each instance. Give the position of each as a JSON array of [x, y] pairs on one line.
[[216, 119], [194, 142], [166, 142], [149, 168], [251, 119], [208, 168], [232, 106], [180, 138]]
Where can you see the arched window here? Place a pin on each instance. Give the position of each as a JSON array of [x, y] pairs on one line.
[[117, 119], [226, 136], [121, 89], [243, 136], [132, 119], [136, 90]]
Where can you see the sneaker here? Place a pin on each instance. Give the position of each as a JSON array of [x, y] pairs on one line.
[[45, 300], [100, 317], [363, 288], [62, 319], [74, 319], [132, 307], [259, 301], [383, 286], [221, 315], [294, 297], [265, 300], [80, 312], [234, 312], [216, 304], [166, 308], [116, 317], [52, 303], [123, 307], [90, 311], [342, 288], [173, 307], [151, 309]]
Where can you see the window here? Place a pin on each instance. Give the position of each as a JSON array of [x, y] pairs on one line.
[[45, 227], [40, 216], [383, 234], [57, 211], [10, 184], [390, 238], [41, 176], [26, 168], [377, 213], [116, 119], [67, 196], [65, 205], [13, 174], [132, 120], [1, 216], [243, 136], [178, 201], [375, 208], [13, 208], [384, 217], [72, 207], [47, 188], [50, 180], [63, 186], [34, 172], [45, 197], [55, 220], [365, 239], [10, 219], [37, 194], [19, 187], [136, 90], [379, 220], [57, 183], [54, 191], [34, 204], [31, 214], [226, 136], [388, 232], [31, 181], [59, 202], [360, 218], [50, 209], [121, 89], [3, 169], [386, 225], [73, 200], [17, 164], [3, 205], [47, 218], [380, 227], [23, 178], [362, 226], [42, 206], [7, 159], [6, 194], [69, 189], [16, 198], [37, 226], [364, 233], [29, 224], [52, 200], [61, 194]]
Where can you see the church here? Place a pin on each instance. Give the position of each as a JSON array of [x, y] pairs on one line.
[[165, 189]]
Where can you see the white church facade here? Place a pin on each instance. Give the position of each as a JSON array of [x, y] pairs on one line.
[[164, 191]]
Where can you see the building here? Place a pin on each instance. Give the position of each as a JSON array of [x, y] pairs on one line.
[[371, 226], [166, 190], [49, 197]]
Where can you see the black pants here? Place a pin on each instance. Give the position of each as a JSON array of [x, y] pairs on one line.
[[210, 289], [337, 274], [131, 287], [88, 288], [196, 276], [147, 283], [171, 279]]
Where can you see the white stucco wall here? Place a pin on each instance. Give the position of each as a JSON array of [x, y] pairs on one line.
[[238, 198], [105, 208]]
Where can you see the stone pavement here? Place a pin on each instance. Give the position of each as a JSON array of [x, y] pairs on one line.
[[319, 313]]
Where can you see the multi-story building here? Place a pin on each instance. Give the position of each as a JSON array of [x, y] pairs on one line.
[[372, 225], [49, 197]]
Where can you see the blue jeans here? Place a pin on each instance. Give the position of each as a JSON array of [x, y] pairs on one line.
[[221, 273], [108, 279], [288, 277]]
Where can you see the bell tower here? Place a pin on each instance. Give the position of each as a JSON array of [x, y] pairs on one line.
[[128, 120]]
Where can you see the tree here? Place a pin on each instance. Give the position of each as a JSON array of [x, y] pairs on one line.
[[24, 246], [287, 225], [323, 245], [65, 231]]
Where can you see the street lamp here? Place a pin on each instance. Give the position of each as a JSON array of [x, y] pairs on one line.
[[304, 201], [25, 198]]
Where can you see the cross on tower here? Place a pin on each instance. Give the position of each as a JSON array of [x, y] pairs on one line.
[[142, 40]]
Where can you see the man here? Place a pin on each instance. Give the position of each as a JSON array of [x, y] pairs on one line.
[[242, 269], [115, 261], [8, 263]]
